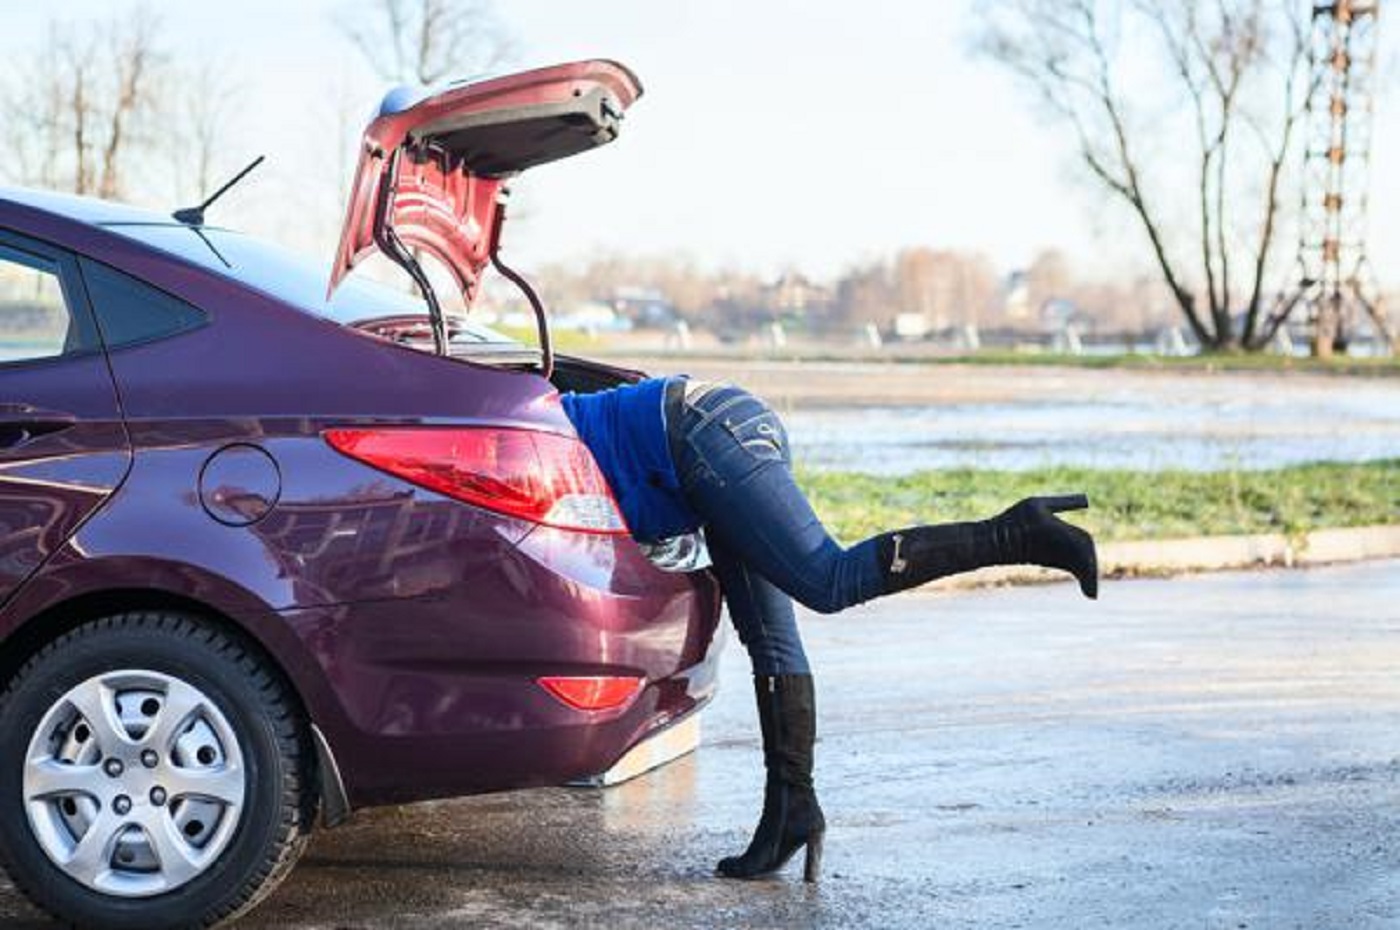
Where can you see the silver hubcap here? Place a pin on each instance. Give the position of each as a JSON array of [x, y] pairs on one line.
[[134, 783]]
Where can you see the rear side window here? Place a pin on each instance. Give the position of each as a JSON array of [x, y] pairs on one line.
[[130, 312], [36, 319]]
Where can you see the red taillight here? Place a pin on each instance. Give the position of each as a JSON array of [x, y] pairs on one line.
[[542, 477], [592, 692]]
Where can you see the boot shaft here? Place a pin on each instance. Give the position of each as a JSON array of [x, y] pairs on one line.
[[1028, 533], [787, 717], [792, 818]]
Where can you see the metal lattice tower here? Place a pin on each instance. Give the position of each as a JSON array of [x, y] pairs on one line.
[[1335, 278]]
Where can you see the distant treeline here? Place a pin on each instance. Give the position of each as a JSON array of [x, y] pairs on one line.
[[916, 287]]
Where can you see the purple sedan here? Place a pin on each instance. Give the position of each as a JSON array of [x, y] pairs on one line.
[[270, 548]]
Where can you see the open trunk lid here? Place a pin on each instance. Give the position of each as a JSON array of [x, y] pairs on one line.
[[433, 162]]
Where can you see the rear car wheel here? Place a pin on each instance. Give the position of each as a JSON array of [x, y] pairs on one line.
[[153, 773]]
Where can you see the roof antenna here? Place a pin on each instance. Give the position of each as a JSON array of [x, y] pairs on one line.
[[194, 216]]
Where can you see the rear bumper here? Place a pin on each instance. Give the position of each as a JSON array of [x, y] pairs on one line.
[[436, 694]]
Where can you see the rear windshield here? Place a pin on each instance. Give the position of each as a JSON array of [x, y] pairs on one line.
[[292, 278]]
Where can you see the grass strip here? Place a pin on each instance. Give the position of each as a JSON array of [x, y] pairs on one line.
[[1384, 366], [1125, 504], [1378, 367]]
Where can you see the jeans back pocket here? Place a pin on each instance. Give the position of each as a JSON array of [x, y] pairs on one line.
[[761, 435]]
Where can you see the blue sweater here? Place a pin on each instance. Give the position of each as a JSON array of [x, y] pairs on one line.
[[625, 429]]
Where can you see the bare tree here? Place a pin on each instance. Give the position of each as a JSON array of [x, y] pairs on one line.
[[427, 40], [690, 290], [76, 110], [198, 113], [947, 288], [1236, 70], [1048, 277], [867, 293]]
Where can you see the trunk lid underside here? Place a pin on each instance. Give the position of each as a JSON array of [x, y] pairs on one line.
[[433, 163]]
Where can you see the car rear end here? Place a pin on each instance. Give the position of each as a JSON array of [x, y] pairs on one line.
[[442, 545], [544, 668], [505, 629]]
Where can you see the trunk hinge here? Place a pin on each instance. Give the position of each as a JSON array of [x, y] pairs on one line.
[[541, 321], [392, 246]]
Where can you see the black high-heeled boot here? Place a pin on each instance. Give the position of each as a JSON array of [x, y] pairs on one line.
[[791, 819], [1028, 533]]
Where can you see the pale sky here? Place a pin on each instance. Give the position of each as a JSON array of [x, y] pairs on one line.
[[775, 133]]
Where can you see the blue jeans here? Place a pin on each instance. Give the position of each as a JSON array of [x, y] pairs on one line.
[[768, 547]]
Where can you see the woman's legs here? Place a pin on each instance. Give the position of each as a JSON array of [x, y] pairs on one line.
[[787, 717], [763, 616], [735, 466], [761, 613], [733, 461]]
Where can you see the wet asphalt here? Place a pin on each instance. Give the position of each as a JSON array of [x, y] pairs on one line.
[[1219, 751]]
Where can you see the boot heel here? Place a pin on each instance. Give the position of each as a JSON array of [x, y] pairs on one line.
[[812, 867], [1062, 502]]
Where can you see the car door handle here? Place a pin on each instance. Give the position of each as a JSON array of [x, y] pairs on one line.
[[19, 426]]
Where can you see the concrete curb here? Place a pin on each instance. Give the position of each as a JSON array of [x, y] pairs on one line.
[[1209, 553]]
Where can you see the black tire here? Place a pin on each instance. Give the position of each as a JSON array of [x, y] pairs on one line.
[[277, 810]]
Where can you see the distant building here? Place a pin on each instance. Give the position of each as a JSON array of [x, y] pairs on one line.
[[1016, 297], [646, 307], [1059, 314], [793, 294], [592, 316], [912, 325]]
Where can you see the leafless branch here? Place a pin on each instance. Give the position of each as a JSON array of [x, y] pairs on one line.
[[426, 41], [1215, 53], [74, 107]]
